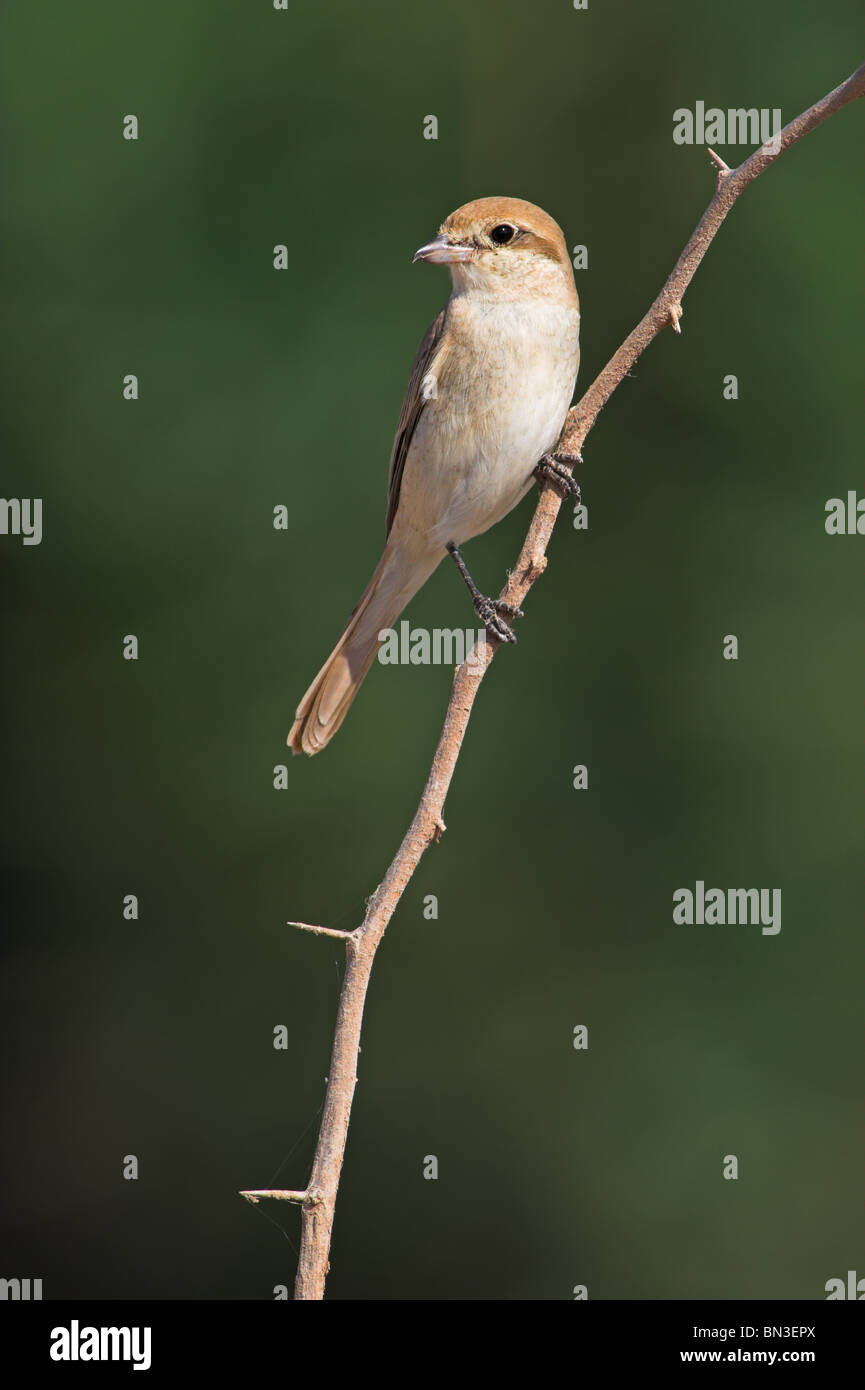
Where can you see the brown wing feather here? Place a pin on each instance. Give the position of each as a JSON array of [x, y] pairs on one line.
[[412, 409]]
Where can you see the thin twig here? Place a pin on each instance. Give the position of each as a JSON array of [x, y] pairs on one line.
[[428, 824], [321, 931], [280, 1194]]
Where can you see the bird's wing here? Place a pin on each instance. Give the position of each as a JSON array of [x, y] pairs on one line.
[[428, 357]]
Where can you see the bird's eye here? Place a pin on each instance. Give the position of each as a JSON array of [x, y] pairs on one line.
[[502, 234]]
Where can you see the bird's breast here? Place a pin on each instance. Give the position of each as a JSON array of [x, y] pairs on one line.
[[501, 352], [497, 404]]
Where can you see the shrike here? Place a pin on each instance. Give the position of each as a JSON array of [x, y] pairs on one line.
[[485, 404]]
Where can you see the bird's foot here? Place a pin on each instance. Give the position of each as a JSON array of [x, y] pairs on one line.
[[493, 613], [555, 468]]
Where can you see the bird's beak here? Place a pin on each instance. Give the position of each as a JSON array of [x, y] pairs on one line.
[[442, 252]]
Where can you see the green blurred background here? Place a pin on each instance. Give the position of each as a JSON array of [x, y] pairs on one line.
[[155, 777]]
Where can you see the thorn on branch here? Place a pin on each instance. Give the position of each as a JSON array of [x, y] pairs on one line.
[[439, 829], [720, 165], [675, 315], [279, 1194], [322, 931]]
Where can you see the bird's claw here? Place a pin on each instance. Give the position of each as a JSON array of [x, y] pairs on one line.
[[493, 612], [553, 469]]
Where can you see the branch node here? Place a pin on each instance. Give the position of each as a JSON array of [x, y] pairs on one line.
[[439, 829], [535, 568], [675, 315]]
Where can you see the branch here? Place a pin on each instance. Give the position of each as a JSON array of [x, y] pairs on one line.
[[319, 1199]]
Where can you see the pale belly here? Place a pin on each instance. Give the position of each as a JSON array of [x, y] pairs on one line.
[[500, 404]]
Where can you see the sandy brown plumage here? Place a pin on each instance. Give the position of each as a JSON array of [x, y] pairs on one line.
[[486, 399]]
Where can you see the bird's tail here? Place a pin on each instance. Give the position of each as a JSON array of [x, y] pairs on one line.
[[327, 701]]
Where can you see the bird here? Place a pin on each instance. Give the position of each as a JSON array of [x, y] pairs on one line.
[[486, 400]]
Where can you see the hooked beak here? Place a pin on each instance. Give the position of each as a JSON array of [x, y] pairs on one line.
[[443, 252]]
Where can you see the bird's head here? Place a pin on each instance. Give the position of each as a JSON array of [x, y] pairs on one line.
[[503, 247]]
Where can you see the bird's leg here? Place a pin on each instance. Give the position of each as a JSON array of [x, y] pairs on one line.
[[554, 468], [491, 611]]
